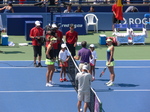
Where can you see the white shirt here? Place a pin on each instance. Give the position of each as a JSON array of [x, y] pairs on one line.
[[94, 55], [66, 11], [63, 55]]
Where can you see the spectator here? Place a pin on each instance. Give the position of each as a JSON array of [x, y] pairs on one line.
[[71, 40], [63, 57], [48, 35], [22, 1], [50, 61], [55, 45], [117, 15], [93, 60], [83, 80], [8, 8], [92, 9], [68, 10], [59, 37], [84, 55], [36, 34], [131, 9], [47, 28], [47, 32], [44, 2], [79, 9], [128, 1], [146, 1]]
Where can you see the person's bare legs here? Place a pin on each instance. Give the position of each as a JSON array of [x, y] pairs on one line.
[[34, 59], [39, 59], [85, 106], [79, 105], [52, 69], [112, 74]]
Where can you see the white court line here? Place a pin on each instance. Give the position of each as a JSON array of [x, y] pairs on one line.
[[95, 67], [38, 91], [77, 60], [128, 60], [136, 90], [125, 66], [24, 67], [66, 91]]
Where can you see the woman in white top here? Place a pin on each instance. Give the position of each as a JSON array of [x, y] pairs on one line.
[[93, 60], [64, 56]]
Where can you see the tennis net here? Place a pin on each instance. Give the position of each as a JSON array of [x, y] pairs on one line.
[[95, 104]]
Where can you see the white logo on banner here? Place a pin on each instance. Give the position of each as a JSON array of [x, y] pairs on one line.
[[75, 25], [136, 21]]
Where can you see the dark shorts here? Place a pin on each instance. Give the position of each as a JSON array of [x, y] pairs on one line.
[[72, 49], [114, 20], [37, 51]]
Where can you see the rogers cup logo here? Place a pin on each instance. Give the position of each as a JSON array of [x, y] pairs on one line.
[[75, 25], [136, 21]]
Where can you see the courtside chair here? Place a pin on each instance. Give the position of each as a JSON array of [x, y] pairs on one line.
[[122, 37], [91, 20], [138, 37]]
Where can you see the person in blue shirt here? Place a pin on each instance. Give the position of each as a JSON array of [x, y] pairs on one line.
[[8, 8]]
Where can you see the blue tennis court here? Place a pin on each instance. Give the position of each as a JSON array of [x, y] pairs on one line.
[[22, 88]]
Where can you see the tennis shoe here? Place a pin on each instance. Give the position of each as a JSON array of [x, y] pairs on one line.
[[39, 65], [35, 65], [65, 79], [61, 80], [110, 84], [48, 85]]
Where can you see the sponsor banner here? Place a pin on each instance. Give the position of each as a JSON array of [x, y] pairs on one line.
[[66, 20]]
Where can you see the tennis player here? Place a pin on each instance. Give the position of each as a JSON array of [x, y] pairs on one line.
[[110, 62], [93, 60], [64, 56], [50, 61], [83, 79]]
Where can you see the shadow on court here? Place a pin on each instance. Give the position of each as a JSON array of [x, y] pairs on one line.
[[101, 79], [125, 85], [64, 85], [13, 52], [103, 90]]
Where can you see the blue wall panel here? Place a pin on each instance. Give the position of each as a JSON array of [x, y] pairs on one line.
[[105, 19]]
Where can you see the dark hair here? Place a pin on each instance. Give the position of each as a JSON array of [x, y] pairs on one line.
[[134, 9], [83, 43], [71, 25]]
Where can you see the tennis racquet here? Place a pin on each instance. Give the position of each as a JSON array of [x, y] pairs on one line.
[[102, 73]]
